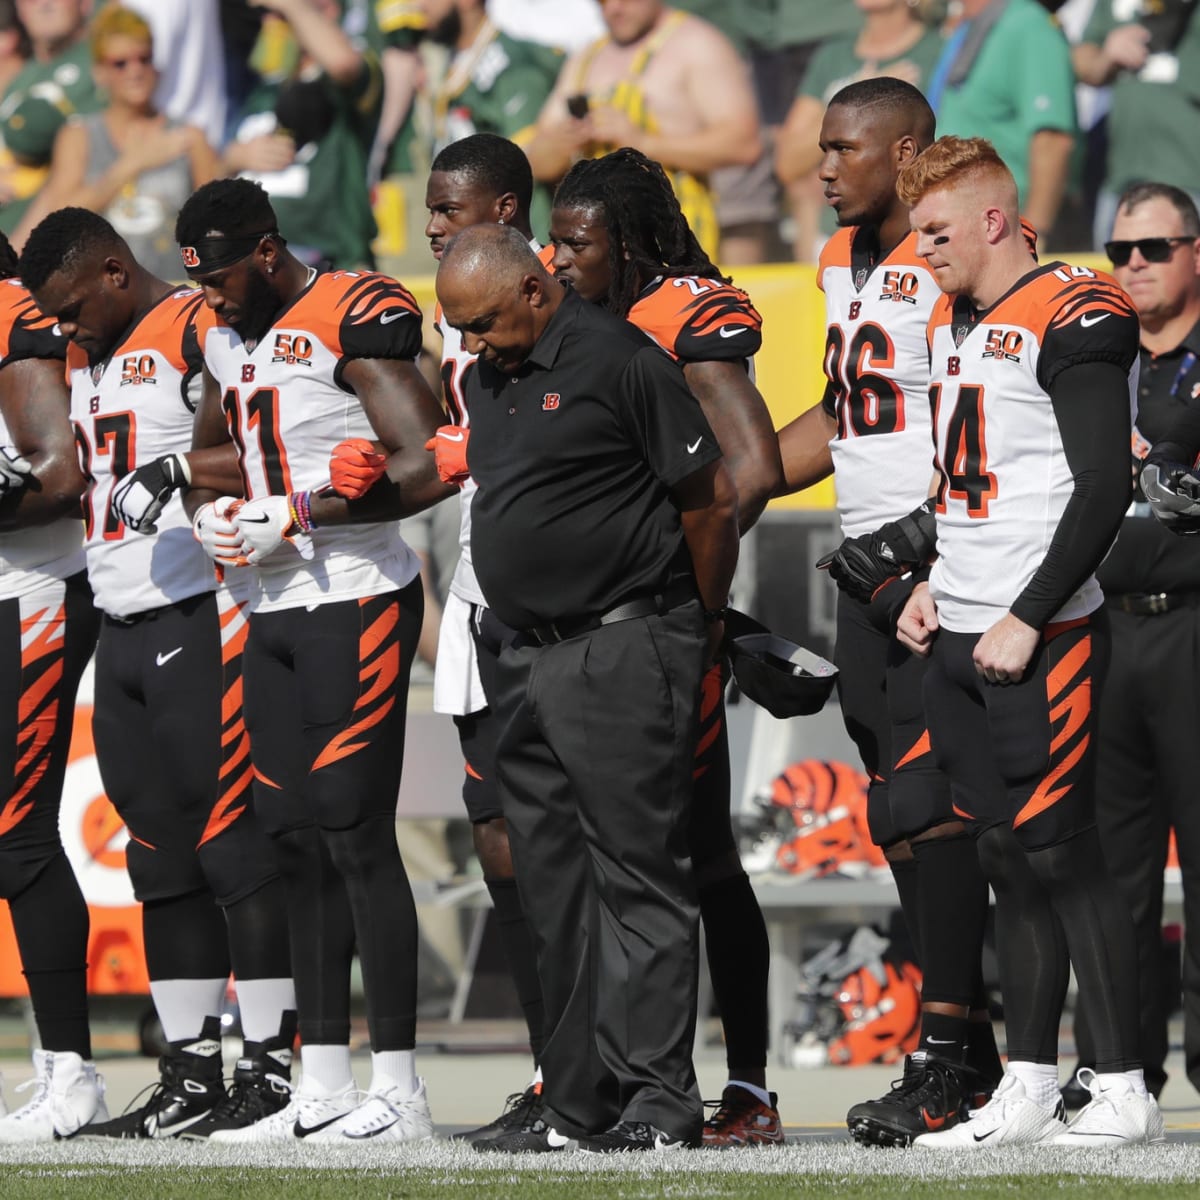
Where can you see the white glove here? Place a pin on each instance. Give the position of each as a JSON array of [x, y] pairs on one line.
[[139, 498], [14, 470], [214, 529], [1174, 495], [263, 525]]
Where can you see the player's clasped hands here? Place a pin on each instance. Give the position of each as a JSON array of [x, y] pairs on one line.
[[449, 446], [355, 466], [139, 497], [918, 622]]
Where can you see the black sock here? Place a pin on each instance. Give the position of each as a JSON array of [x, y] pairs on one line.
[[1102, 943], [385, 927], [739, 961], [952, 907], [983, 1055], [50, 919], [1034, 966], [521, 958], [185, 938], [258, 934], [904, 872], [944, 1035], [321, 932]]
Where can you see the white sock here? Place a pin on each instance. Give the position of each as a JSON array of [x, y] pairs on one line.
[[394, 1069], [1135, 1079], [1040, 1080], [537, 1078], [757, 1092], [262, 1003], [182, 1004], [326, 1069]]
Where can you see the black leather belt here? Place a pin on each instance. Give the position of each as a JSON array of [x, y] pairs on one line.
[[1152, 604], [642, 606]]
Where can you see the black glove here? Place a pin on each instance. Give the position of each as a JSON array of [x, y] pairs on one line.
[[1173, 494], [861, 565], [139, 497]]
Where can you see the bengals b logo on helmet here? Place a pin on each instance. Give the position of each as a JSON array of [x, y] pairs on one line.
[[190, 258]]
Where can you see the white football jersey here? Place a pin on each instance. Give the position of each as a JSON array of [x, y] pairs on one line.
[[877, 364], [127, 411], [1005, 480], [287, 408], [30, 557]]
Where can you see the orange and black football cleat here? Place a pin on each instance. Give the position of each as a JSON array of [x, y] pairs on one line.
[[742, 1119], [933, 1094]]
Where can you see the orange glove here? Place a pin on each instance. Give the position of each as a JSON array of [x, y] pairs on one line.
[[355, 466], [449, 446]]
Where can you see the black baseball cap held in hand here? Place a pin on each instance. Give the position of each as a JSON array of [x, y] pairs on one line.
[[778, 675]]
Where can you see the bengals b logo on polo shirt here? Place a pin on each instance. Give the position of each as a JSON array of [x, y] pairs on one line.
[[550, 401]]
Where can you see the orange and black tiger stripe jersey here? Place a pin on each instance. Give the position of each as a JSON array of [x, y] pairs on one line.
[[24, 331], [699, 320]]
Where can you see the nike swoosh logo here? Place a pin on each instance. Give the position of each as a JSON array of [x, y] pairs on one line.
[[162, 659], [302, 1131], [731, 330], [451, 437], [940, 1041], [255, 520], [695, 445], [983, 1137], [1087, 321], [556, 1139], [362, 1137], [389, 317]]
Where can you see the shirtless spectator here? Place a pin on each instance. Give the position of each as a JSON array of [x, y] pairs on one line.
[[665, 83]]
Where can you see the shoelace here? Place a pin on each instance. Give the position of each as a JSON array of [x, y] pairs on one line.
[[246, 1098], [727, 1111], [40, 1097]]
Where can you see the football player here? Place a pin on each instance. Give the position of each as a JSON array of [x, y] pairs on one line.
[[170, 743], [1032, 370], [621, 241], [296, 362], [47, 632], [872, 429]]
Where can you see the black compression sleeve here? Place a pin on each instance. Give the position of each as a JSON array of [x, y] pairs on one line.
[[1091, 405], [1182, 441]]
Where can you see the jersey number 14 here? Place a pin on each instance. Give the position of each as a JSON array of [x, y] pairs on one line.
[[962, 460]]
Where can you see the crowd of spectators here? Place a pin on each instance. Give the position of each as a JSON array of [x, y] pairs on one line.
[[337, 106]]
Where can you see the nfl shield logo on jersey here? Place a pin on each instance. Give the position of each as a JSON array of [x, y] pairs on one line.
[[960, 334]]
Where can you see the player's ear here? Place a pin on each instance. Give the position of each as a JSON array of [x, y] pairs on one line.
[[506, 209], [906, 149], [116, 272]]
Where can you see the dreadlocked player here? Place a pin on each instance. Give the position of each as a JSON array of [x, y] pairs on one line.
[[622, 242]]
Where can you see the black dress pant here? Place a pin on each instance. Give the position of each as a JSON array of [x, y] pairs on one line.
[[1147, 770], [594, 762]]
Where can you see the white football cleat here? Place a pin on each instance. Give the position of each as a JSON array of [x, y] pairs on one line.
[[305, 1117], [68, 1094], [1115, 1116], [1009, 1118], [389, 1116]]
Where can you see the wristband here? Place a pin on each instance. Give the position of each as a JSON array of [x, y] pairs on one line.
[[713, 615]]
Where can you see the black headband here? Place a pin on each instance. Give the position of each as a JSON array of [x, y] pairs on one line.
[[218, 252]]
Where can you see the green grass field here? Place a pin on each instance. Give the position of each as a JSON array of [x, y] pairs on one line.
[[812, 1168]]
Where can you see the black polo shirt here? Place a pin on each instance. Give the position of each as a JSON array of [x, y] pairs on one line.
[[575, 456], [1147, 556]]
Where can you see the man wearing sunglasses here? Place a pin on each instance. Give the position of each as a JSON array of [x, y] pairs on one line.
[[1149, 754]]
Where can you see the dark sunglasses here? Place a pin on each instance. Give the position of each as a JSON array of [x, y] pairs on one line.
[[119, 64], [1154, 250]]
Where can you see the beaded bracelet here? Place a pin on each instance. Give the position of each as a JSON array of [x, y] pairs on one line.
[[300, 506]]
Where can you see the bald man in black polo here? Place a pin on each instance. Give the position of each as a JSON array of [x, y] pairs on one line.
[[604, 532]]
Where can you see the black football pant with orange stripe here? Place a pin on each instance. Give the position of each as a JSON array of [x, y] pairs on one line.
[[46, 639], [735, 934], [880, 685], [1021, 759], [174, 758], [595, 761], [326, 696]]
